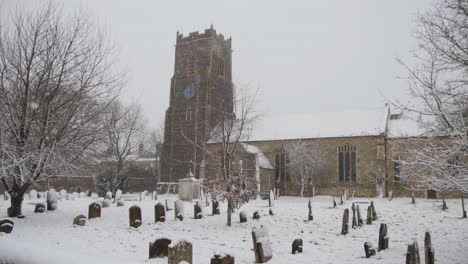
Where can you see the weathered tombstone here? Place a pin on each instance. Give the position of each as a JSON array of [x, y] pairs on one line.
[[444, 204], [383, 237], [52, 200], [222, 259], [215, 207], [297, 246], [271, 199], [80, 220], [88, 193], [118, 195], [310, 217], [428, 250], [369, 215], [354, 221], [78, 189], [262, 246], [155, 196], [334, 203], [33, 194], [159, 213], [412, 255], [413, 201], [179, 210], [359, 218], [463, 206], [6, 225], [94, 210], [345, 224], [369, 249], [242, 217], [256, 215], [108, 195], [106, 203], [40, 208], [159, 248], [271, 211], [134, 216], [374, 213], [182, 251], [197, 211]]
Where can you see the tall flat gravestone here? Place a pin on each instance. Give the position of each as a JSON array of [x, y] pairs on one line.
[[345, 224], [159, 213], [383, 238], [359, 218], [94, 210], [261, 243], [159, 248], [179, 210], [222, 259], [412, 255], [428, 250], [310, 217], [181, 251], [134, 216]]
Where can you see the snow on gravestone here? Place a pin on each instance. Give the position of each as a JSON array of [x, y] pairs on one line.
[[79, 220], [33, 194], [180, 251], [94, 210], [222, 259], [159, 213], [179, 210], [215, 207], [6, 225], [159, 248], [261, 243], [40, 208], [52, 200], [197, 211], [76, 195], [242, 217], [135, 216], [82, 194], [63, 194], [118, 195], [108, 195]]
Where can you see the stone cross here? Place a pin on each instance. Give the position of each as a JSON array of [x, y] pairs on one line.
[[94, 210], [297, 246], [428, 250], [179, 210], [159, 213], [412, 255], [261, 243], [159, 248], [383, 237], [345, 224], [134, 216], [224, 259], [182, 251], [310, 217]]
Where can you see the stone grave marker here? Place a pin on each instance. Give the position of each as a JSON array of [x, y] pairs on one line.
[[256, 215], [262, 246], [310, 217], [6, 196], [297, 246], [345, 224], [463, 206], [412, 254], [6, 225], [359, 218], [118, 195], [271, 211], [120, 203], [94, 210], [242, 217], [80, 220], [197, 211], [108, 195], [334, 203], [181, 251], [179, 210], [374, 213], [413, 201], [369, 215], [354, 221], [215, 207], [222, 259], [271, 199], [428, 250], [159, 248], [159, 213], [40, 208], [369, 249], [135, 216], [383, 237], [52, 200]]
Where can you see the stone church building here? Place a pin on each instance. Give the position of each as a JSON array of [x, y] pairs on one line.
[[359, 146]]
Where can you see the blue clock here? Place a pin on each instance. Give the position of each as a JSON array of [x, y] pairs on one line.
[[189, 91]]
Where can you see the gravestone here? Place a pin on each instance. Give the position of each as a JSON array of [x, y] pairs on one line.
[[33, 194], [179, 210], [215, 207], [271, 211], [412, 254], [135, 216], [271, 199], [345, 223], [374, 213], [159, 213], [106, 203], [383, 238], [334, 203], [82, 195], [6, 225], [413, 201], [428, 250], [354, 221], [262, 245], [463, 207], [108, 196], [369, 215], [155, 196], [80, 220], [242, 217], [256, 215], [69, 196], [181, 251], [78, 189], [159, 248], [52, 200], [297, 246], [40, 208], [369, 249], [118, 195], [76, 195], [341, 200], [94, 210], [88, 193], [359, 218], [197, 211], [310, 217], [222, 259], [444, 205]]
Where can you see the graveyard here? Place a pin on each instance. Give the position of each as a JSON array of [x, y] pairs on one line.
[[63, 236]]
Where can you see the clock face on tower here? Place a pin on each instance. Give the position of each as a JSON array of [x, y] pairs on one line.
[[189, 91]]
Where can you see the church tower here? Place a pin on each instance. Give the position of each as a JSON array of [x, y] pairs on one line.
[[200, 86]]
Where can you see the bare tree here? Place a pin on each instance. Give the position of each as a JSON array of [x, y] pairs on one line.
[[125, 129], [305, 159], [439, 89], [56, 80]]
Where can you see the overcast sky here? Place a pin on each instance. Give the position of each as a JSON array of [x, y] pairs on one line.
[[304, 56]]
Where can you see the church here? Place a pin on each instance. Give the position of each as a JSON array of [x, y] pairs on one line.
[[360, 147]]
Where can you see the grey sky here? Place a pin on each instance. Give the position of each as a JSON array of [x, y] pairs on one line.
[[304, 56]]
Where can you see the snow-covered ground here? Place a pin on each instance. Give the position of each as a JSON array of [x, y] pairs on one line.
[[51, 238]]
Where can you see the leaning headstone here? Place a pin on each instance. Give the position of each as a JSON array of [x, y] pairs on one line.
[[106, 203], [242, 217], [80, 220], [222, 259], [52, 200], [6, 225], [179, 210], [374, 213], [369, 215], [181, 251], [40, 208], [428, 250], [359, 218], [159, 248], [33, 194], [262, 245], [297, 246], [310, 217], [345, 223], [108, 195], [256, 215], [369, 249], [159, 213], [94, 210], [412, 254], [271, 199], [168, 205], [463, 207], [215, 207], [197, 211], [383, 237], [354, 221], [134, 216]]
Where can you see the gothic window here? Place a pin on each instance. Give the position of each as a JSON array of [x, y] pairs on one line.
[[188, 114], [347, 163], [191, 65], [221, 67], [280, 164]]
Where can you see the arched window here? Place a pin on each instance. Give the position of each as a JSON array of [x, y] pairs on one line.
[[280, 164], [347, 163]]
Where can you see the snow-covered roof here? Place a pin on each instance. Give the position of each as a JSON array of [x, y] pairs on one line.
[[404, 125], [319, 125], [261, 159]]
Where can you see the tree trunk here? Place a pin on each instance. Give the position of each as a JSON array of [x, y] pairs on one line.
[[229, 213], [16, 203]]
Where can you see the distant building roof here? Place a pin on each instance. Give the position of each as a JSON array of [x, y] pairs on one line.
[[404, 124]]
